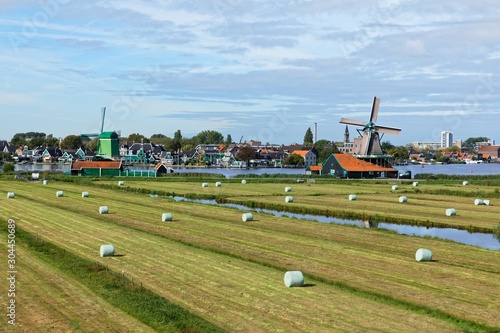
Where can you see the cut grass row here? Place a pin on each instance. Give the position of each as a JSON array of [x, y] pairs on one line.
[[50, 300], [237, 294], [375, 201], [372, 261]]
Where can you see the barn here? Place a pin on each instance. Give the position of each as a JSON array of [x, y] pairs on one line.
[[348, 166], [97, 168]]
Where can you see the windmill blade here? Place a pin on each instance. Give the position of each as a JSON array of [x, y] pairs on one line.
[[352, 122], [388, 130], [103, 115], [374, 114]]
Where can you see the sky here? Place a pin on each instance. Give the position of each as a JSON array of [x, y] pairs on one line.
[[264, 70]]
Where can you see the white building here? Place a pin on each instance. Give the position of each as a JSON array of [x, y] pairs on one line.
[[446, 139]]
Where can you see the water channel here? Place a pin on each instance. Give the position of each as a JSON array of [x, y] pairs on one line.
[[483, 240]]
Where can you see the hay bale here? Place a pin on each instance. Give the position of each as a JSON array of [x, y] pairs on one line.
[[121, 183], [103, 210], [10, 195], [403, 199], [218, 184], [486, 202], [423, 255], [288, 189], [415, 184], [288, 198], [478, 202], [294, 279], [395, 187], [247, 217], [166, 217], [465, 183], [204, 185], [352, 197], [85, 194], [35, 176], [45, 182], [107, 250], [243, 181], [59, 193], [451, 212]]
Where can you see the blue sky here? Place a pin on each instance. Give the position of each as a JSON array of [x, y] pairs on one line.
[[262, 69]]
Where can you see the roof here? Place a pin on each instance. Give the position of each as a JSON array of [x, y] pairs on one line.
[[302, 153], [78, 165], [108, 135], [351, 163], [488, 148], [315, 167]]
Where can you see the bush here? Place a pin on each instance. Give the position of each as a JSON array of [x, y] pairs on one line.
[[9, 167]]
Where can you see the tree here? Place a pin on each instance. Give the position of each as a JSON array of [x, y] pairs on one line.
[[136, 137], [209, 137], [176, 143], [387, 146], [8, 167], [158, 136], [246, 153], [229, 140], [471, 142], [308, 137], [92, 145], [325, 148], [294, 159], [72, 142]]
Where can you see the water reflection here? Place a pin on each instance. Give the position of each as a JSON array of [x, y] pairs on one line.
[[483, 240]]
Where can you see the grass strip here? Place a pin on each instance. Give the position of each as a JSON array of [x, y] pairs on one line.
[[148, 307]]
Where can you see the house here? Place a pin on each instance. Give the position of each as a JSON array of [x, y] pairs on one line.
[[51, 154], [348, 166], [308, 156], [96, 168], [314, 170], [492, 151]]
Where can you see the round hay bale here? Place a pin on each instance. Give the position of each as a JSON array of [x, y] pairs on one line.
[[465, 183], [204, 185], [45, 182], [451, 212], [166, 217], [107, 250], [294, 279], [352, 197], [247, 217], [243, 181], [288, 189], [59, 193], [121, 183], [486, 202], [478, 202], [218, 184], [395, 187], [10, 195], [103, 210], [288, 198], [423, 255], [85, 194], [415, 184], [403, 199]]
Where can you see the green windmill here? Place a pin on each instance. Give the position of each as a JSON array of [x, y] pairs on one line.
[[108, 142]]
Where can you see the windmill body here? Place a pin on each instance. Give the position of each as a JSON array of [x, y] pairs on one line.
[[370, 133], [107, 146]]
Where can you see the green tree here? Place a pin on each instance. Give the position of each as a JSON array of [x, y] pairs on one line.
[[387, 146], [471, 142], [72, 142], [136, 137], [209, 137], [176, 143], [294, 159], [325, 148], [308, 137], [229, 140], [92, 145]]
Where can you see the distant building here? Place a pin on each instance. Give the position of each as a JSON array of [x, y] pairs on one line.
[[446, 139]]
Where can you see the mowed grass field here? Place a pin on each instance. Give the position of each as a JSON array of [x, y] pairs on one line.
[[231, 273], [374, 199]]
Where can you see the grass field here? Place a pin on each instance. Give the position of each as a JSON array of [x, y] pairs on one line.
[[231, 273]]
